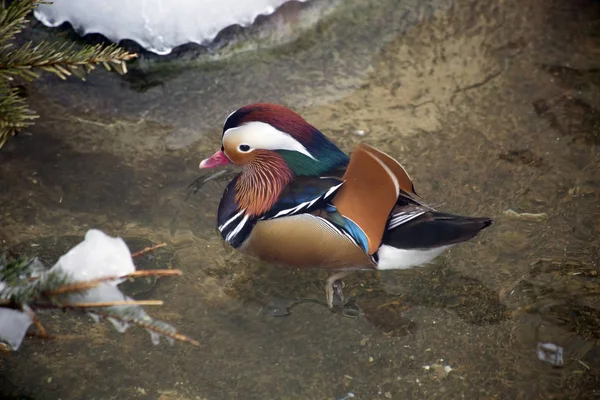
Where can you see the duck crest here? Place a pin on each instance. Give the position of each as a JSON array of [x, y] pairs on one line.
[[275, 115]]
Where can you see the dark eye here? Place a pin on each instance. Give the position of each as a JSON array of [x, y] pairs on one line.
[[244, 148]]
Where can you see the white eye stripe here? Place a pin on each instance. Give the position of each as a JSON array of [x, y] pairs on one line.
[[260, 135]]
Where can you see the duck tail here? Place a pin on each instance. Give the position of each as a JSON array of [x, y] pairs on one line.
[[435, 229]]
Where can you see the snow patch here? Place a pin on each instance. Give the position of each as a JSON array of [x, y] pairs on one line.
[[98, 256], [157, 25]]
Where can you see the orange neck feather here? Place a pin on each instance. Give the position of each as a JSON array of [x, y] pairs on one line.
[[261, 183]]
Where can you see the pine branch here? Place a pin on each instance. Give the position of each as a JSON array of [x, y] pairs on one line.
[[28, 61], [26, 286], [16, 286], [14, 113], [14, 18], [63, 61]]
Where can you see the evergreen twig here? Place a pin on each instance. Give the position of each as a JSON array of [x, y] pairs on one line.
[[26, 286], [63, 60], [15, 114], [29, 60], [14, 18]]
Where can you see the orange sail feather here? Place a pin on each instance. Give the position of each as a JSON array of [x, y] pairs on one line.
[[370, 192], [404, 180]]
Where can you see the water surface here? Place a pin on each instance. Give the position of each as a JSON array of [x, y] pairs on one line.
[[493, 109]]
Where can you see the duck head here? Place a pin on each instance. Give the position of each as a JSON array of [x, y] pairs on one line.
[[270, 135], [273, 145]]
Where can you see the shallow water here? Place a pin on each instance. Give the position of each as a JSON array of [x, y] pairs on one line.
[[491, 107]]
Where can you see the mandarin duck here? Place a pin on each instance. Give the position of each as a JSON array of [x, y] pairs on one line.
[[300, 201]]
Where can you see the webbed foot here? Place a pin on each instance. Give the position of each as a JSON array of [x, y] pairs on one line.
[[335, 297]]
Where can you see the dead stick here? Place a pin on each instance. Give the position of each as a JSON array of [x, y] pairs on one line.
[[101, 304], [174, 335], [40, 327], [144, 325], [148, 249], [41, 336], [79, 286], [154, 272], [183, 338], [56, 337]]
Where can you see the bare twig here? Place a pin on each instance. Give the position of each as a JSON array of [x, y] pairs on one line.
[[55, 337], [176, 336], [79, 286], [101, 304], [116, 303], [6, 302], [148, 249], [154, 272], [173, 335], [40, 327], [86, 285]]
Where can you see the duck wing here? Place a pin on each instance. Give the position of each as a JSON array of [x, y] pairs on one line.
[[418, 228], [373, 184]]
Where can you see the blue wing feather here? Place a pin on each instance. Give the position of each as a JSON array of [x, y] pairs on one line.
[[345, 226], [357, 234]]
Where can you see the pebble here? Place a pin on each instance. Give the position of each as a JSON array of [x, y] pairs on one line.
[[182, 238], [525, 216]]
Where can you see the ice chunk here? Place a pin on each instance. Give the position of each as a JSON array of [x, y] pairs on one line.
[[120, 326], [13, 326], [157, 25], [155, 337], [98, 256], [94, 317], [550, 353]]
